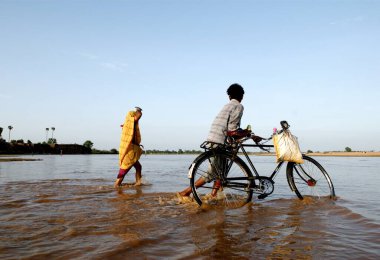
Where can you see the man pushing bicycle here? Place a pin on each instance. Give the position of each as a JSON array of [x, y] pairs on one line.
[[227, 121]]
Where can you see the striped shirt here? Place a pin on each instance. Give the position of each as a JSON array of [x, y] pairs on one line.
[[230, 114]]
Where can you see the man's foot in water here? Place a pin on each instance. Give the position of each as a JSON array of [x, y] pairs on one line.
[[184, 199]]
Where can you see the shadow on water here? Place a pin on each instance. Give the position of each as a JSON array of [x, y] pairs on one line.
[[69, 219]]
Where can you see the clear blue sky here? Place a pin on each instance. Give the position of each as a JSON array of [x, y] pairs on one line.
[[81, 65]]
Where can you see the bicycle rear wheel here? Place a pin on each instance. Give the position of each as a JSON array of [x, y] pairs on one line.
[[309, 179], [227, 180]]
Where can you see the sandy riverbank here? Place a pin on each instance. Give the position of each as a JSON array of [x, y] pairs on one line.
[[333, 154], [18, 159], [12, 158], [347, 154]]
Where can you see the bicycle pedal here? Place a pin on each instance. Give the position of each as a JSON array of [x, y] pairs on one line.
[[257, 190]]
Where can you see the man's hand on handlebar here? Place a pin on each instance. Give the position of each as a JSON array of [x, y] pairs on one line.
[[257, 139]]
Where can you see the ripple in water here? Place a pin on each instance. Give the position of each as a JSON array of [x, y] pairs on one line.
[[63, 219]]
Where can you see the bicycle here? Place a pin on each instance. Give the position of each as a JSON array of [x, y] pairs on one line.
[[228, 181]]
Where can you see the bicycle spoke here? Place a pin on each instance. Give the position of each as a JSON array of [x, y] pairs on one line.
[[216, 169], [310, 179], [205, 174]]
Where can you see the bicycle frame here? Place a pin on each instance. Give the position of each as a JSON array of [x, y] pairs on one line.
[[240, 146], [276, 170], [230, 168]]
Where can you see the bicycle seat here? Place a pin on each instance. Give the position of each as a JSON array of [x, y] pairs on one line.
[[239, 133]]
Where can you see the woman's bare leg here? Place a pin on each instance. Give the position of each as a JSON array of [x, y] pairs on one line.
[[118, 182], [138, 168], [120, 177]]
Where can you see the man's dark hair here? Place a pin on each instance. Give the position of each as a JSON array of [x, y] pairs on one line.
[[235, 91]]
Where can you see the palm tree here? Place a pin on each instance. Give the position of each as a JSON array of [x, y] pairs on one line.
[[52, 133], [47, 132], [10, 128]]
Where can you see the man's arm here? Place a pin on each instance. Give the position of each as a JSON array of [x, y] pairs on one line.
[[235, 118]]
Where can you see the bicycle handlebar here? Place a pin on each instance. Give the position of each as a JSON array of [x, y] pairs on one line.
[[284, 125]]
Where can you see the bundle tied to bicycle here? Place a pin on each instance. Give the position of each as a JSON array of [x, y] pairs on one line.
[[287, 147]]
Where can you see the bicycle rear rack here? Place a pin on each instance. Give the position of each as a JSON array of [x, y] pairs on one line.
[[207, 145]]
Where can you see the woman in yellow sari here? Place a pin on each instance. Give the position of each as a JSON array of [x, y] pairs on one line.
[[130, 150]]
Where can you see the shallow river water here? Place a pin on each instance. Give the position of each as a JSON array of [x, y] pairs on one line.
[[65, 207]]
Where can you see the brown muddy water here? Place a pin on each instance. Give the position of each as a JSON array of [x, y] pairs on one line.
[[64, 207]]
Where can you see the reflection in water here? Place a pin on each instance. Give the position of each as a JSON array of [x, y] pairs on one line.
[[85, 219]]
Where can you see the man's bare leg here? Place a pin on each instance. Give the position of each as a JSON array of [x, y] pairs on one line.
[[215, 187], [186, 192]]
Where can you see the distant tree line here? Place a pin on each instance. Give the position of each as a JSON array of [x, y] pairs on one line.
[[179, 151], [112, 151], [347, 149], [50, 147], [19, 147]]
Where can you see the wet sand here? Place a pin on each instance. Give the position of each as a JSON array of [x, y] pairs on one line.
[[67, 219]]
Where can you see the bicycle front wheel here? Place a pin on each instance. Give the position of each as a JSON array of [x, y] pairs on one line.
[[219, 179], [309, 179]]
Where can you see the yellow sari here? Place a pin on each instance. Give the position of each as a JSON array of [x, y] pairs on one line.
[[130, 150]]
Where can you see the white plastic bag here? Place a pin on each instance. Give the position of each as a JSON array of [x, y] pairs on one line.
[[287, 148]]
